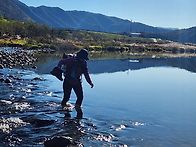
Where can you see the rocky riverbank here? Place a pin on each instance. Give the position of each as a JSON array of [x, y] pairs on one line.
[[19, 57], [12, 57]]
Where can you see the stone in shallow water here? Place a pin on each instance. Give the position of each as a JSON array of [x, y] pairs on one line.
[[8, 80], [1, 79], [1, 66], [40, 122], [34, 67], [37, 79], [59, 141]]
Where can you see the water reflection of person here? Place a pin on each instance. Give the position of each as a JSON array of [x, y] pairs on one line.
[[73, 125], [79, 113]]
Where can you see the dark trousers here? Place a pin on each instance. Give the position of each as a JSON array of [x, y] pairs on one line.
[[68, 85]]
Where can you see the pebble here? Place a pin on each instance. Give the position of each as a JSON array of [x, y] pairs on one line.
[[37, 79], [34, 67], [8, 80], [1, 66], [1, 79]]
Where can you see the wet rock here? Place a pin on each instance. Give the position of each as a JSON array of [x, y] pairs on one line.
[[37, 79], [10, 67], [10, 76], [8, 80], [40, 123], [59, 141], [1, 66], [17, 78], [34, 67], [1, 79]]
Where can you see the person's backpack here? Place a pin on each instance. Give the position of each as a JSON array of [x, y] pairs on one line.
[[74, 70], [65, 56], [57, 72], [74, 76]]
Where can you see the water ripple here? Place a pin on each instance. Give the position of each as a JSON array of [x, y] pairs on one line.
[[28, 101]]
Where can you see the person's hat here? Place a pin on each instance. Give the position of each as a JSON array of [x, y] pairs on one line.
[[83, 54]]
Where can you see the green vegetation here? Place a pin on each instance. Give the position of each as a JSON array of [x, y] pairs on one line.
[[19, 42], [34, 36], [26, 34], [31, 34], [25, 29]]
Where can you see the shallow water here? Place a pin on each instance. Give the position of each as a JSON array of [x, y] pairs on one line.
[[146, 102]]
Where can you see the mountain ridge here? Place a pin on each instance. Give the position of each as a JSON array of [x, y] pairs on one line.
[[56, 17], [59, 18]]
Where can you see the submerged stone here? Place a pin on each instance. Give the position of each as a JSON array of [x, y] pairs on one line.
[[40, 122], [8, 80], [59, 141], [34, 67], [1, 66], [37, 79], [1, 79]]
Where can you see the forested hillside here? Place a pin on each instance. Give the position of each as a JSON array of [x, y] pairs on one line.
[[38, 35], [58, 18], [183, 35]]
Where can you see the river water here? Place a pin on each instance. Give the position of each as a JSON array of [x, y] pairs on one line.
[[141, 102]]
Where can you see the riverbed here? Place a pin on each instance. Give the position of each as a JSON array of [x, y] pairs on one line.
[[135, 102]]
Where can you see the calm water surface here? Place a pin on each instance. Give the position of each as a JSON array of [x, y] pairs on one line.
[[146, 102]]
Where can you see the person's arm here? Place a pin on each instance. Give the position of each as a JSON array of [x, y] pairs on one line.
[[87, 76]]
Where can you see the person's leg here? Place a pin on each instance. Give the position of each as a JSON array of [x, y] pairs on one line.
[[79, 93], [67, 92]]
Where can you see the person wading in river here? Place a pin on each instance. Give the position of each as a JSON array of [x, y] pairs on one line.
[[75, 67]]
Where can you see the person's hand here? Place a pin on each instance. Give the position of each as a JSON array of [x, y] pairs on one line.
[[92, 85]]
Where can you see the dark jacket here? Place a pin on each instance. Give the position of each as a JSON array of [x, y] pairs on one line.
[[75, 67]]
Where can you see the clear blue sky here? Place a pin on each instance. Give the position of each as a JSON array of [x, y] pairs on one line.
[[160, 13]]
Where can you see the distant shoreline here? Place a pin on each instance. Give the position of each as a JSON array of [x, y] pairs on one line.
[[20, 57]]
